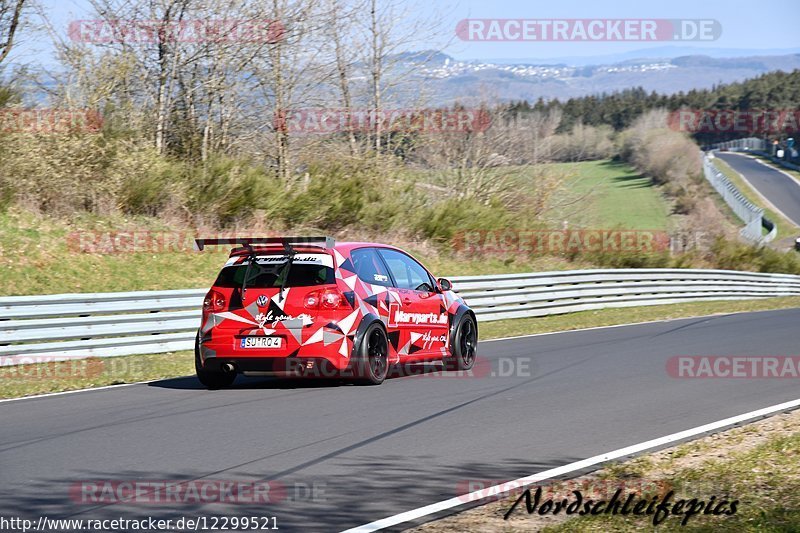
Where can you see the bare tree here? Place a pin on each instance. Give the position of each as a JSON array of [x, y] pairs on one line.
[[184, 92], [472, 163], [195, 98], [388, 30], [292, 71], [344, 56], [537, 130], [378, 36], [155, 61], [10, 15]]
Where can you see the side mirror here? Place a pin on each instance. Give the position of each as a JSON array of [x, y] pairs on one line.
[[445, 284]]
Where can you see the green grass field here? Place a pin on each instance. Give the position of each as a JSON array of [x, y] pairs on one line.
[[619, 196], [607, 194]]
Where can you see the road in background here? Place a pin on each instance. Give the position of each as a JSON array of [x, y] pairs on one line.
[[781, 190]]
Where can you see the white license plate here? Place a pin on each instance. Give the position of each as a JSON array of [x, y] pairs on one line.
[[261, 342]]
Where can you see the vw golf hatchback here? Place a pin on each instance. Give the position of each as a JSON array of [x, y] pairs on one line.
[[300, 306]]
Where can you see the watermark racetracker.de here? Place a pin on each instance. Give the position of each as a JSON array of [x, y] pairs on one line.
[[410, 120], [29, 368], [49, 120], [141, 31], [512, 241], [484, 368], [588, 30], [195, 491], [134, 241], [520, 241], [734, 366], [735, 121]]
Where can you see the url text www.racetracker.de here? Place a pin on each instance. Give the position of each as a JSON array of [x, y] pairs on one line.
[[183, 523]]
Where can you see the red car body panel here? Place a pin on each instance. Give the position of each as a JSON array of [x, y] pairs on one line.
[[417, 322]]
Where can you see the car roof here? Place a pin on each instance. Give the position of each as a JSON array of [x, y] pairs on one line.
[[349, 246], [342, 247]]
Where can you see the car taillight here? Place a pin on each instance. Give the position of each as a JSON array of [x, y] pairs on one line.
[[214, 302], [325, 299]]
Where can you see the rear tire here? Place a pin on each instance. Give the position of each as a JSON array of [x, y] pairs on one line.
[[464, 345], [372, 362], [210, 378]]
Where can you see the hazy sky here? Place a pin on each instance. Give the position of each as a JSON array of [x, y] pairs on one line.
[[765, 24], [753, 24]]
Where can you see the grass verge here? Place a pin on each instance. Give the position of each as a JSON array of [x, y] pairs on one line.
[[757, 464], [41, 378], [59, 376]]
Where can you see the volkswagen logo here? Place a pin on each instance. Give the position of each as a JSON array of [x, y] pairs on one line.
[[261, 301]]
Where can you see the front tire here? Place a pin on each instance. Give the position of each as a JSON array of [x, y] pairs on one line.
[[372, 363], [210, 378], [464, 345]]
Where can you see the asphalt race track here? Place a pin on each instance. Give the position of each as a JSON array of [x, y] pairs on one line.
[[777, 187], [378, 451]]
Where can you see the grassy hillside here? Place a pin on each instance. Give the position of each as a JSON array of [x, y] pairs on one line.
[[39, 255], [36, 257]]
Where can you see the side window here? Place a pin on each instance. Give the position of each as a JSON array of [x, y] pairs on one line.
[[408, 274], [369, 267]]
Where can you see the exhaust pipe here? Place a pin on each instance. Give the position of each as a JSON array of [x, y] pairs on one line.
[[228, 368]]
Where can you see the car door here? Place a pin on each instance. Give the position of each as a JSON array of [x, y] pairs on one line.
[[421, 316], [383, 295]]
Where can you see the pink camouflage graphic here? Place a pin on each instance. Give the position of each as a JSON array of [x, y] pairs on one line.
[[301, 306]]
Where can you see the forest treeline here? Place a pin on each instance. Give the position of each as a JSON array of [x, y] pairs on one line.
[[770, 91]]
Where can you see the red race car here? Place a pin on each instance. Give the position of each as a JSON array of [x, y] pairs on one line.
[[307, 306]]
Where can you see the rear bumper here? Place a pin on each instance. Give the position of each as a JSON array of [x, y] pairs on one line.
[[279, 366], [290, 359]]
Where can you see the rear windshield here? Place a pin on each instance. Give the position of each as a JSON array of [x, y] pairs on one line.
[[269, 272]]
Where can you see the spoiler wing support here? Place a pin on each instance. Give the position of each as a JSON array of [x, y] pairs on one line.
[[286, 242]]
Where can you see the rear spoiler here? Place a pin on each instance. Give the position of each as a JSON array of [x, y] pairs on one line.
[[286, 242]]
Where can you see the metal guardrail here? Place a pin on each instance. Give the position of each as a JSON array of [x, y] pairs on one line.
[[758, 146], [74, 326], [750, 143], [749, 213]]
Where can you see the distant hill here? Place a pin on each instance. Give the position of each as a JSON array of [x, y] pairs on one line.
[[656, 52], [447, 80]]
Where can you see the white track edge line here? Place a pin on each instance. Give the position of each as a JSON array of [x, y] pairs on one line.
[[565, 469], [105, 387]]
